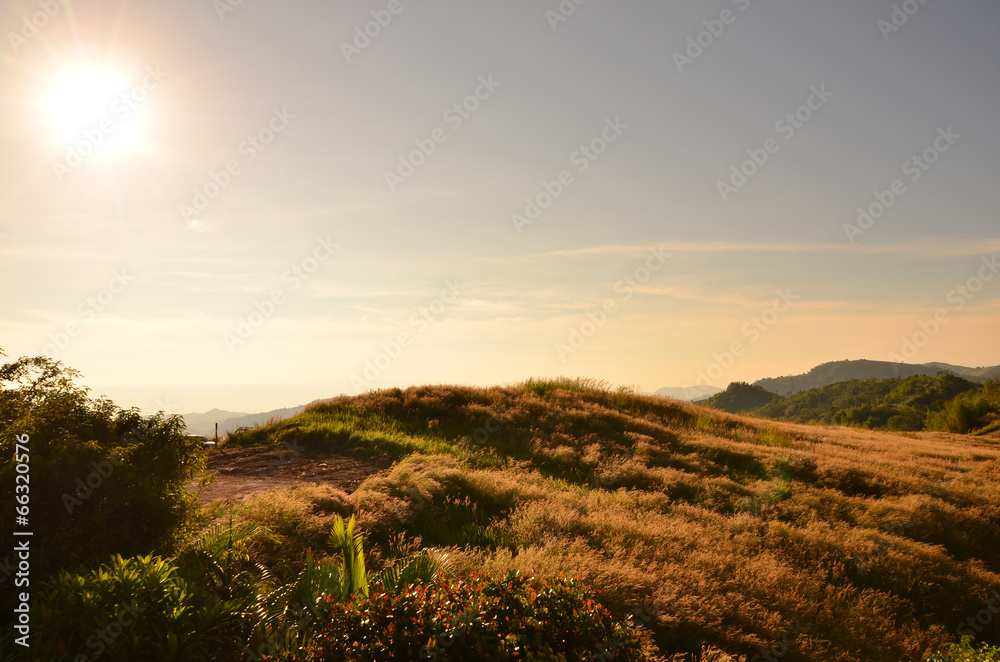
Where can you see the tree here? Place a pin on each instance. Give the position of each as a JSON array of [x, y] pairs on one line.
[[102, 480]]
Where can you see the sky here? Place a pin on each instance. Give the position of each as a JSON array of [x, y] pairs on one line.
[[252, 205]]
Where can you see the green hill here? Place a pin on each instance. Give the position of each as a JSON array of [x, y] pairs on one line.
[[843, 371], [735, 532], [945, 403], [740, 397]]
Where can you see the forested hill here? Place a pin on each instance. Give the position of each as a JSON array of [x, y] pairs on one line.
[[946, 403], [842, 371]]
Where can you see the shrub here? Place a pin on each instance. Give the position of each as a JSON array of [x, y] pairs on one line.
[[133, 609], [966, 652], [516, 618], [104, 480]]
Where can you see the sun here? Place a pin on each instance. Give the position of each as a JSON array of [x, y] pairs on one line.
[[88, 108]]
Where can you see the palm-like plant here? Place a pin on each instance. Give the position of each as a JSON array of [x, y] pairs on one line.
[[353, 577]]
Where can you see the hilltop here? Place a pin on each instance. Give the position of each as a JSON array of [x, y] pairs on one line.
[[748, 535]]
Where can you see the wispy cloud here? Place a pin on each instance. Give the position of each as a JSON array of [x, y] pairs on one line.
[[936, 248]]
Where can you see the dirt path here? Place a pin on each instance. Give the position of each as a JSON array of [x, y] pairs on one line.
[[243, 471]]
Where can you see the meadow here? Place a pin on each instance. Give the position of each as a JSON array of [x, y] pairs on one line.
[[548, 520], [727, 531]]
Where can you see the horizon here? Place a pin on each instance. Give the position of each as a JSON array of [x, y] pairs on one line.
[[250, 207], [723, 387]]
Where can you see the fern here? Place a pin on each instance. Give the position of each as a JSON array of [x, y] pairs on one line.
[[417, 569]]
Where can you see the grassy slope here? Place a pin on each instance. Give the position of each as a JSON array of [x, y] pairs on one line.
[[736, 529]]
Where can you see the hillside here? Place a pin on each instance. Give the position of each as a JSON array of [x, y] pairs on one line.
[[843, 371], [944, 403], [753, 536], [973, 374]]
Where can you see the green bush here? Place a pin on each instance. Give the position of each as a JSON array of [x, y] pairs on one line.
[[966, 652], [516, 618], [103, 480], [133, 609]]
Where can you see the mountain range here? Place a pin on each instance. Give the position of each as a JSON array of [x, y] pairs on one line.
[[843, 371], [204, 424]]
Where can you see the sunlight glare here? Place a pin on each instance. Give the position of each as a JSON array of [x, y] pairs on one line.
[[84, 100]]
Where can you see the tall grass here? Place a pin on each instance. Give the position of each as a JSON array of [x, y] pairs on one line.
[[733, 528]]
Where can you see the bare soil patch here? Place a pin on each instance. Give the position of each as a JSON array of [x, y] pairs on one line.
[[242, 471]]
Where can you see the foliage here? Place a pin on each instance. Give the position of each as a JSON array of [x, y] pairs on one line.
[[970, 411], [516, 618], [740, 397], [945, 402], [138, 608], [965, 651], [103, 480]]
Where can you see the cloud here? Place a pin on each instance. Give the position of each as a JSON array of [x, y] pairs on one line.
[[930, 248]]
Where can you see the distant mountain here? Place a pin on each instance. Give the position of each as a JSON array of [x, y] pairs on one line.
[[688, 393], [204, 424], [843, 371]]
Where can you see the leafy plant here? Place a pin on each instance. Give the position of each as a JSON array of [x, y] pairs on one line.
[[514, 618], [131, 609], [964, 651]]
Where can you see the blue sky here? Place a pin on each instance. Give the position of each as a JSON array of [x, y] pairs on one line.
[[309, 127]]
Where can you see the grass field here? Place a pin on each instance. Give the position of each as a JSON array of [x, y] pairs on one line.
[[801, 543]]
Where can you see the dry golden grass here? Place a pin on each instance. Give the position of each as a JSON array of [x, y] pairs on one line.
[[730, 530]]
